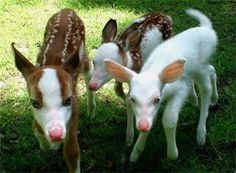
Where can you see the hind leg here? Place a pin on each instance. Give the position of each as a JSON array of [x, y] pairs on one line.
[[214, 97], [205, 89], [194, 94]]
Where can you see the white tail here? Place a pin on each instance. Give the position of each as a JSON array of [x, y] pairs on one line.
[[204, 21]]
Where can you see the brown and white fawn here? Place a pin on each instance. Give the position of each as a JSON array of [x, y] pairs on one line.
[[52, 84], [131, 49]]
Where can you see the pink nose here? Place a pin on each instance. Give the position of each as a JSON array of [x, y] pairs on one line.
[[56, 133], [143, 125], [93, 86]]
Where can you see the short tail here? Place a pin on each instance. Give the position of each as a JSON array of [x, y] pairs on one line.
[[204, 20]]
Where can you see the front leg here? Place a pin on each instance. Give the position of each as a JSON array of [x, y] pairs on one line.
[[38, 132], [170, 119], [119, 90], [87, 74], [71, 145], [130, 123], [138, 147]]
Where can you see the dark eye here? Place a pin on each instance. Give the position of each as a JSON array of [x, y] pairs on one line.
[[67, 102], [156, 100], [36, 104], [132, 100]]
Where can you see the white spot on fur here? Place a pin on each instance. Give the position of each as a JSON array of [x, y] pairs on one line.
[[81, 51], [139, 20], [50, 36], [68, 34]]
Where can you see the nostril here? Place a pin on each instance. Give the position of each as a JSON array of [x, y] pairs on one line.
[[56, 133], [143, 125], [93, 86]]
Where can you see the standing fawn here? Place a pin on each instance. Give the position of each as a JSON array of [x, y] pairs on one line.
[[131, 48], [52, 84], [185, 57]]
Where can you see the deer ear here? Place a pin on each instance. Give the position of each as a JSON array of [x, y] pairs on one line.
[[133, 39], [22, 64], [109, 31], [172, 72], [119, 72]]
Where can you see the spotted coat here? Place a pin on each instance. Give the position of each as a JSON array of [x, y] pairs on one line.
[[63, 35], [146, 23]]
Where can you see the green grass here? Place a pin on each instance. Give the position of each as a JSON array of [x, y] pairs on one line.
[[102, 140]]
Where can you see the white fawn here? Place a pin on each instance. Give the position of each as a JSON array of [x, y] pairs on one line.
[[52, 84], [130, 48], [168, 71]]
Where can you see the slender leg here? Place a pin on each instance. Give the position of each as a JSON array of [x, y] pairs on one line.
[[214, 97], [87, 73], [194, 94], [138, 147], [119, 90], [205, 90], [38, 132], [170, 119], [71, 145], [130, 124]]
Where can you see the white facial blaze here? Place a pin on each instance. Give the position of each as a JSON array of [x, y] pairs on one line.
[[52, 113]]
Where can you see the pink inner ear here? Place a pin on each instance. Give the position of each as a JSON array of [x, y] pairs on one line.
[[172, 72], [119, 72]]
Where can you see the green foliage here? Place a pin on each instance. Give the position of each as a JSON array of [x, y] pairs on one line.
[[102, 140]]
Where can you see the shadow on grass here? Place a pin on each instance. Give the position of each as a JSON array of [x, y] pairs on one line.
[[144, 6], [102, 143]]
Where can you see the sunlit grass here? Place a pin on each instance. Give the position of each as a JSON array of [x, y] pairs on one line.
[[103, 138]]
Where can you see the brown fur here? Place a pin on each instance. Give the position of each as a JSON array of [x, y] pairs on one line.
[[66, 61]]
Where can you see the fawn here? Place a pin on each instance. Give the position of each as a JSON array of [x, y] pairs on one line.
[[52, 84], [130, 48], [171, 66]]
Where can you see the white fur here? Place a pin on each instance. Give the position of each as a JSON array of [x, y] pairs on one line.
[[53, 112], [195, 46], [139, 20], [78, 167], [106, 50], [150, 40], [81, 51]]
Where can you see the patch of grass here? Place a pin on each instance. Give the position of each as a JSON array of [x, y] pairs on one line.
[[102, 140]]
